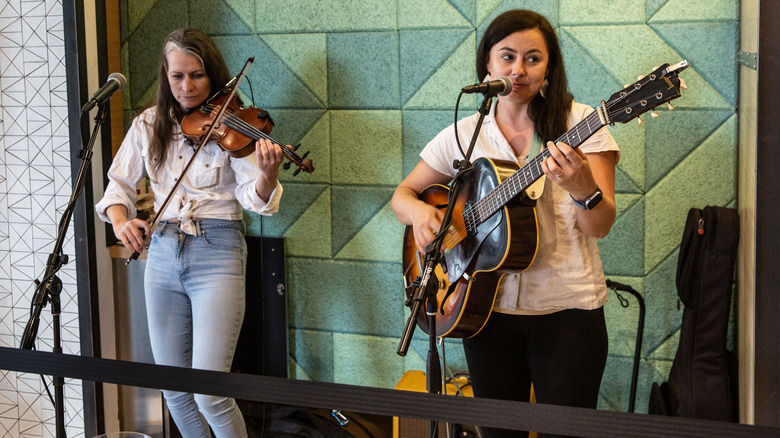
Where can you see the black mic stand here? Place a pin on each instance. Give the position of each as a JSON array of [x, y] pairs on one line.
[[50, 287], [426, 284]]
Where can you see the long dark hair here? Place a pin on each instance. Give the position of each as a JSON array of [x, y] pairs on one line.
[[168, 111], [550, 115]]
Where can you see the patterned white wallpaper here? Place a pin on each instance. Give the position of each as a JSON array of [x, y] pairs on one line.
[[35, 186]]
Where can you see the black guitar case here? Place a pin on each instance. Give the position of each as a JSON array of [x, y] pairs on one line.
[[702, 381]]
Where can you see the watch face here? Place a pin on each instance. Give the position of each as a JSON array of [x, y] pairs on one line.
[[593, 200]]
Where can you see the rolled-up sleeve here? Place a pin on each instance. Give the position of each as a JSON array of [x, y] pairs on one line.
[[247, 172], [125, 173]]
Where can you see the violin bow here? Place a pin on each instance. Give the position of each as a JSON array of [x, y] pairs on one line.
[[234, 83]]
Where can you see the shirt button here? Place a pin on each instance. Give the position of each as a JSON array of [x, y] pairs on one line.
[[180, 157]]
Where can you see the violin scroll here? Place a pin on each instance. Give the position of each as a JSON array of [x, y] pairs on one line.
[[302, 163]]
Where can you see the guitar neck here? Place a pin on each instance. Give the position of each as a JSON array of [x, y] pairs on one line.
[[531, 171]]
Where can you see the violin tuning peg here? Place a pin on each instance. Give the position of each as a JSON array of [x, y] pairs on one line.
[[295, 148], [297, 171], [286, 165], [305, 155], [654, 114], [671, 108], [682, 84]]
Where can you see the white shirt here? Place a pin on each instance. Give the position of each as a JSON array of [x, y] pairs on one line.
[[566, 272], [216, 186]]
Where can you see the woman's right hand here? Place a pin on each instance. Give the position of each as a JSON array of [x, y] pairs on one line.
[[132, 233], [426, 220]]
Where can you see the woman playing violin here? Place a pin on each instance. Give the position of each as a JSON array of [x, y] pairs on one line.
[[196, 264]]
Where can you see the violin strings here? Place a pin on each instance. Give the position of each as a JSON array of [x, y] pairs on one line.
[[249, 130]]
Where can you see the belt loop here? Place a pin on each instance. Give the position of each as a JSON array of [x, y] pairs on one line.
[[197, 227]]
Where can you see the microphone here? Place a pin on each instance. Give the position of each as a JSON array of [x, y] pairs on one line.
[[115, 82], [501, 87]]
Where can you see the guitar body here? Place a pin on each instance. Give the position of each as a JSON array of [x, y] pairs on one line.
[[504, 242]]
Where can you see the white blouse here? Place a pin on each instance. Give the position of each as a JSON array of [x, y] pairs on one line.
[[216, 186]]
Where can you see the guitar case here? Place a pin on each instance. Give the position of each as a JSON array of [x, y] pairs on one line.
[[702, 380]]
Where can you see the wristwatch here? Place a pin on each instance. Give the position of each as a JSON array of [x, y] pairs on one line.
[[592, 201]]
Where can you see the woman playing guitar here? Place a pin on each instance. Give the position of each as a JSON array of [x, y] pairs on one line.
[[547, 323]]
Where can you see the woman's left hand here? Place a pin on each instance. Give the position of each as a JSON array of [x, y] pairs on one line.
[[569, 168], [581, 175], [269, 158]]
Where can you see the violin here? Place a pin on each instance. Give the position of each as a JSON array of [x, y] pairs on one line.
[[238, 130]]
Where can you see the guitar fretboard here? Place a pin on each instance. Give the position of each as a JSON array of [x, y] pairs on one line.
[[530, 172]]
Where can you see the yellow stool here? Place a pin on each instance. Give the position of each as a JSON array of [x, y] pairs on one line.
[[414, 380]]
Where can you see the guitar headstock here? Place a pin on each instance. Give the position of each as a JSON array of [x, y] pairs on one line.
[[660, 86]]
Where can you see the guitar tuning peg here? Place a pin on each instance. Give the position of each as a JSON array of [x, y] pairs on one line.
[[639, 120], [682, 84], [625, 85], [654, 114], [655, 68], [671, 108], [640, 77]]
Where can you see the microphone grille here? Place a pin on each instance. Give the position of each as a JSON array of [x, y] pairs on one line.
[[507, 85], [120, 79]]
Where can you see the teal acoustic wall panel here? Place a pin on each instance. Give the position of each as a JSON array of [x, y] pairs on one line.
[[364, 85]]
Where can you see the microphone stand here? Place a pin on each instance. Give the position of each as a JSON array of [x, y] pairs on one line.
[[50, 287], [426, 284]]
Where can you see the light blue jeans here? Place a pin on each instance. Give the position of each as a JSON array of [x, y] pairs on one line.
[[194, 287]]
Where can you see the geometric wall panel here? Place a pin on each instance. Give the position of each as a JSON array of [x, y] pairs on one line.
[[218, 17], [600, 12], [360, 72], [285, 90], [367, 245], [310, 234], [672, 137], [701, 10], [305, 55], [422, 53], [353, 208], [366, 147], [705, 177], [303, 16], [416, 14], [710, 48], [436, 86]]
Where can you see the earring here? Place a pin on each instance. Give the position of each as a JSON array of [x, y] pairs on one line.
[[543, 90]]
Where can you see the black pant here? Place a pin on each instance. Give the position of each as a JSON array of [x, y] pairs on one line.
[[563, 354]]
